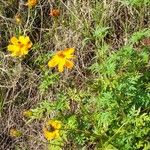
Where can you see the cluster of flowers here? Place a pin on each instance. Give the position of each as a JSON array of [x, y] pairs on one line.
[[51, 130], [19, 47], [31, 3]]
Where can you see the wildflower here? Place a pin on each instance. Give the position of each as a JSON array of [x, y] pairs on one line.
[[62, 58], [19, 47], [27, 113], [51, 130], [54, 13], [146, 41], [15, 133], [17, 18], [31, 3]]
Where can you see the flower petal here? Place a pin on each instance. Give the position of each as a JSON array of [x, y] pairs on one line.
[[61, 65], [15, 54], [29, 44], [12, 48], [53, 62], [24, 50], [55, 124], [49, 135], [68, 51], [27, 40], [69, 64], [24, 40], [14, 40], [56, 133], [21, 39]]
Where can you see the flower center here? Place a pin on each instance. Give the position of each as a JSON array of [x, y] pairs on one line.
[[20, 44], [50, 128], [61, 55]]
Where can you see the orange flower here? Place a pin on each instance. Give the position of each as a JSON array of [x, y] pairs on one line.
[[62, 58], [31, 3], [54, 13], [146, 41]]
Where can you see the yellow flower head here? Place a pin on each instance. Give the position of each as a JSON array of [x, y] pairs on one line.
[[62, 58], [27, 113], [15, 133], [51, 130], [31, 3], [19, 47]]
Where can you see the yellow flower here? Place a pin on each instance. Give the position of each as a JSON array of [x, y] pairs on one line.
[[19, 47], [27, 113], [15, 133], [62, 58], [31, 3], [51, 130]]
